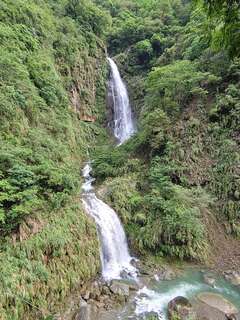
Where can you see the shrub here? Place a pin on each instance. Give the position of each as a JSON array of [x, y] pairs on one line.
[[144, 51]]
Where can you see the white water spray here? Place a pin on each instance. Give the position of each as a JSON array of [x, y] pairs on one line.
[[115, 257]]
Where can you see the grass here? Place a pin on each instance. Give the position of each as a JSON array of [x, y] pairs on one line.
[[39, 272]]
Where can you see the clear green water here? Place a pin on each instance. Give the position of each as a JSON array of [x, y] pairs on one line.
[[159, 293]]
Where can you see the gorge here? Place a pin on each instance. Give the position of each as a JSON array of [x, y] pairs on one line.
[[119, 177]]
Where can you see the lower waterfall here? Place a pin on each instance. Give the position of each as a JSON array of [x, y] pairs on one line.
[[115, 258]]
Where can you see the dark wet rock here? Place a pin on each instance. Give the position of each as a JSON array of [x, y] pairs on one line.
[[145, 270], [84, 312], [119, 288], [180, 308], [135, 263], [208, 279], [218, 302], [124, 274], [133, 285]]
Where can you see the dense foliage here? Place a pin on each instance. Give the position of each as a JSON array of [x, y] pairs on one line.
[[42, 139], [52, 73], [185, 93], [225, 23], [180, 60]]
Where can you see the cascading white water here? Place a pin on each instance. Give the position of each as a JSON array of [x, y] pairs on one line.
[[115, 257], [123, 125], [114, 249]]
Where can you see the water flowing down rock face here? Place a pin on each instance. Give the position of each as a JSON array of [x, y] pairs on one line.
[[123, 124], [115, 256]]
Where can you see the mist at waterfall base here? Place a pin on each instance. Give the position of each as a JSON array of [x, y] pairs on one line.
[[123, 124]]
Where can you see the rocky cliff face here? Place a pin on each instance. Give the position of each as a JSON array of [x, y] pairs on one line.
[[87, 80]]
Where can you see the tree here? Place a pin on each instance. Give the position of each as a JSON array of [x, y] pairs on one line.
[[225, 19], [89, 16], [144, 51]]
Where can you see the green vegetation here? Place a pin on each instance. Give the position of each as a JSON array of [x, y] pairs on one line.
[[181, 167], [39, 272], [42, 141], [180, 60], [225, 23], [53, 74]]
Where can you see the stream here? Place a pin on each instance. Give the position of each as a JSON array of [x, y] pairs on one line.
[[154, 298]]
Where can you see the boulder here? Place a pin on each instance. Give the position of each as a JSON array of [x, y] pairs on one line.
[[84, 312], [209, 280], [132, 284], [180, 308], [119, 288], [106, 290], [218, 302], [206, 312], [166, 274], [233, 277], [95, 290]]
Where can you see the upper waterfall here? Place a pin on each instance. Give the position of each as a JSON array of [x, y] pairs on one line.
[[123, 125]]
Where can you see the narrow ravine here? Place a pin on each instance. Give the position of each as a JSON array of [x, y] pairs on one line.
[[115, 257]]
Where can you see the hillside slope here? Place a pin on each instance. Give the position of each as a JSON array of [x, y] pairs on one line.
[[183, 164], [52, 101], [175, 184]]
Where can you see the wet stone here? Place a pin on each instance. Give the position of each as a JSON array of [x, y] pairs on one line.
[[84, 312], [149, 316], [180, 308], [166, 274], [119, 288], [208, 279], [233, 277]]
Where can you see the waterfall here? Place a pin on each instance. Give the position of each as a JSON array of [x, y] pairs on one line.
[[115, 257], [123, 125]]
